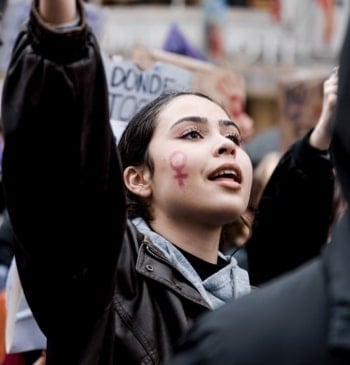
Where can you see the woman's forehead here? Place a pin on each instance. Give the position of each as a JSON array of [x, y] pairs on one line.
[[193, 105]]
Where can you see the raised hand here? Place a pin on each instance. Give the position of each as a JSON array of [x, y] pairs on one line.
[[321, 136]]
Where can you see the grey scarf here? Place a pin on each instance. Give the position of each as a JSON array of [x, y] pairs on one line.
[[229, 282]]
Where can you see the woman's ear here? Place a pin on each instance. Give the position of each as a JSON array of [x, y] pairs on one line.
[[138, 180]]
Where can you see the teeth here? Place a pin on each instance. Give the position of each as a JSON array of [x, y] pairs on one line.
[[225, 172]]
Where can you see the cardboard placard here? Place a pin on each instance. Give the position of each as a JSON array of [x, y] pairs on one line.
[[131, 87], [300, 99]]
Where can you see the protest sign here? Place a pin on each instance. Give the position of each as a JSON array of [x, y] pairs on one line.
[[130, 87], [300, 103]]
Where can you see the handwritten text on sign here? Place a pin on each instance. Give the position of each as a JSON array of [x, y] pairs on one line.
[[130, 87]]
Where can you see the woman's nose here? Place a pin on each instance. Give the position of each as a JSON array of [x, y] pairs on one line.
[[226, 147]]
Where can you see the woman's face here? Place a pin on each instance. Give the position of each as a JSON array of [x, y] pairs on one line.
[[200, 171]]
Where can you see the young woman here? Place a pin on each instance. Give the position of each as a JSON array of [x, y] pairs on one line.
[[118, 258]]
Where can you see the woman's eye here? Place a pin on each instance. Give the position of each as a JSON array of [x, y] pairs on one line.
[[235, 138], [192, 135]]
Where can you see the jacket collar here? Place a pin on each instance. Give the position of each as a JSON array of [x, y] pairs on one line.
[[229, 282]]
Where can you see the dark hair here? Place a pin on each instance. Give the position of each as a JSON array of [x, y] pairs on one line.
[[134, 142]]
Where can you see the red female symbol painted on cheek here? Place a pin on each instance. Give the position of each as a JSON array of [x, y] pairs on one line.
[[178, 163]]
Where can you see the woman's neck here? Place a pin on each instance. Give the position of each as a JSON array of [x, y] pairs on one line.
[[199, 240]]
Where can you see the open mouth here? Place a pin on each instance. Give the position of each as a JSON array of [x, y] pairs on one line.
[[226, 173]]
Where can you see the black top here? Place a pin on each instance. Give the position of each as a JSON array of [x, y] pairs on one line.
[[202, 267]]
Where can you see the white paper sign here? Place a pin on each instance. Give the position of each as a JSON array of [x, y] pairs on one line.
[[131, 87]]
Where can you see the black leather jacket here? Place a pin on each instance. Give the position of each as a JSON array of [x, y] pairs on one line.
[[100, 291]]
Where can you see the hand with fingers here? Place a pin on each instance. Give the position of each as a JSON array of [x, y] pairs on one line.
[[320, 138]]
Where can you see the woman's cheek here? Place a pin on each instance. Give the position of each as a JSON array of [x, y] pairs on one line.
[[177, 162]]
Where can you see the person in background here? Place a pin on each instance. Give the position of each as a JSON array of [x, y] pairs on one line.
[[307, 199], [111, 243], [264, 142]]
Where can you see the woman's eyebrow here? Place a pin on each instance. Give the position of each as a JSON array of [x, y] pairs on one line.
[[229, 122], [203, 120], [191, 118]]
